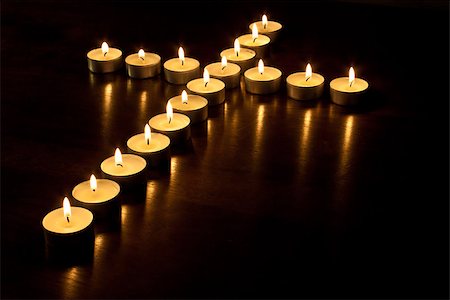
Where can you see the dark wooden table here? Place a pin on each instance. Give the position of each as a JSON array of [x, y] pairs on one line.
[[273, 198]]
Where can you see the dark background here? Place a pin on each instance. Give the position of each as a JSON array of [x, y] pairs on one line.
[[274, 198]]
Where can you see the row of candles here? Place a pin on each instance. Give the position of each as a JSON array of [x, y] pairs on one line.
[[65, 227]]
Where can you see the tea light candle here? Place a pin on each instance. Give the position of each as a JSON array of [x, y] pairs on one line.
[[182, 69], [126, 169], [99, 196], [348, 90], [68, 232], [153, 146], [244, 58], [229, 73], [262, 80], [104, 59], [305, 85], [143, 64], [211, 88], [193, 106], [266, 27], [255, 41], [175, 125]]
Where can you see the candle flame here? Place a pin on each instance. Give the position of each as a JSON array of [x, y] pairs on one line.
[[184, 97], [169, 111], [308, 72], [237, 47], [141, 54], [181, 55], [264, 21], [224, 62], [118, 157], [261, 66], [351, 76], [93, 183], [147, 134], [66, 209], [254, 32], [205, 76], [105, 48]]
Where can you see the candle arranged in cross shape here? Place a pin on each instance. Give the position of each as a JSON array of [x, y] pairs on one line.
[[104, 59], [348, 90], [143, 64], [99, 196], [255, 41], [68, 232], [244, 58], [153, 146], [211, 88], [175, 125], [126, 169], [266, 27], [229, 73], [182, 69], [305, 85], [193, 106], [262, 79]]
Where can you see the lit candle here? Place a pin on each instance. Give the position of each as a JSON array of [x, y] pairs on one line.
[[193, 106], [255, 41], [143, 64], [229, 73], [69, 232], [99, 196], [210, 88], [266, 27], [262, 79], [175, 125], [244, 58], [348, 90], [126, 169], [104, 59], [153, 146], [182, 69], [305, 85]]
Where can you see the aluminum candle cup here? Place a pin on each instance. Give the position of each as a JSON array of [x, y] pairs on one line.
[[155, 150], [68, 241], [194, 106], [260, 45], [143, 65], [128, 171], [214, 91], [245, 59], [182, 69], [262, 80], [102, 199], [269, 28], [348, 90], [104, 60], [178, 130], [229, 74], [301, 88]]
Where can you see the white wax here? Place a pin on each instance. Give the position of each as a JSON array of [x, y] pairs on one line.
[[132, 164], [55, 221], [158, 142], [298, 79], [341, 84], [160, 122], [198, 86], [244, 55], [215, 69], [195, 102], [150, 59], [175, 65], [272, 26], [105, 191], [269, 74], [246, 40], [97, 54]]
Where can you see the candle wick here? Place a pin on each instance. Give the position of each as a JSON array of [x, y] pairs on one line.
[[351, 82], [223, 67], [182, 62], [104, 54], [265, 25], [93, 190], [68, 221], [148, 141], [142, 58], [254, 39], [307, 78], [206, 83], [237, 53], [119, 165], [170, 120]]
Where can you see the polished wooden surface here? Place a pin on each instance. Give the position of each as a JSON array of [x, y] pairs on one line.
[[273, 198]]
